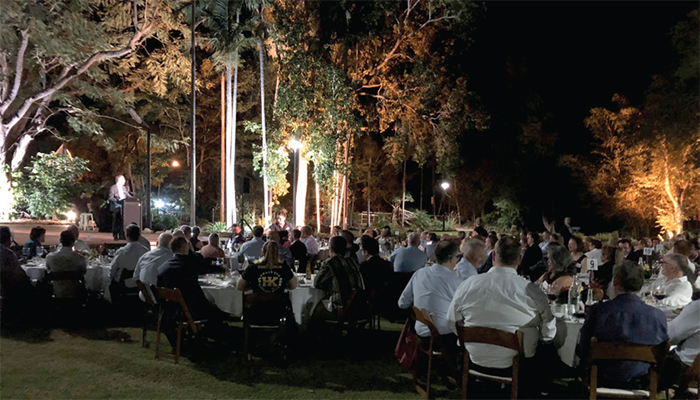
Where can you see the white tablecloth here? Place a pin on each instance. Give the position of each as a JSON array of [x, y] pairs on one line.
[[97, 278], [304, 300], [571, 329], [35, 272], [230, 300]]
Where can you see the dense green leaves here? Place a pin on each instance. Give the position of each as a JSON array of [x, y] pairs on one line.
[[51, 182]]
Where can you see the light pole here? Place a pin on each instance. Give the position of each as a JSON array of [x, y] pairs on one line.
[[295, 145], [444, 186]]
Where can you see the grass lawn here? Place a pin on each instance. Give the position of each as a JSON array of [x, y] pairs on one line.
[[109, 362]]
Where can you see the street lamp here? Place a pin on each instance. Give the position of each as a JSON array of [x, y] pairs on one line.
[[175, 164], [295, 146], [444, 186]]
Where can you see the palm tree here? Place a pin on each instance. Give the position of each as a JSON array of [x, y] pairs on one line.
[[227, 39]]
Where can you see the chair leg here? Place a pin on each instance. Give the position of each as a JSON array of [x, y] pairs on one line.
[[653, 384], [430, 370], [514, 383], [465, 374], [177, 344], [143, 333], [246, 333], [160, 317]]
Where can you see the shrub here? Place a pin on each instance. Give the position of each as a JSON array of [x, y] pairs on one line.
[[165, 221], [48, 186], [216, 227]]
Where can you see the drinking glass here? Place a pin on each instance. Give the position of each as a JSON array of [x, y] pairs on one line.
[[659, 291], [25, 252]]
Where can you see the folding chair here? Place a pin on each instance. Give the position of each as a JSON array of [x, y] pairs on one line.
[[351, 317], [149, 308], [653, 355], [251, 301], [691, 375], [496, 337], [173, 297], [436, 348]]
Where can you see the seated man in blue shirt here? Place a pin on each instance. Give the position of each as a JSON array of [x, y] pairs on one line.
[[432, 288], [252, 249], [627, 319], [409, 258]]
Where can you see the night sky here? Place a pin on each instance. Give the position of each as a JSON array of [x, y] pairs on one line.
[[577, 54], [556, 61]]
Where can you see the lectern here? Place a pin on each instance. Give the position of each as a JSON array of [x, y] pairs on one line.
[[132, 212]]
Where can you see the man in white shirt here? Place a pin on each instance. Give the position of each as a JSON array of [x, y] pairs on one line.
[[501, 299], [66, 260], [309, 241], [474, 254], [409, 258], [684, 332], [117, 194], [125, 259], [675, 271], [147, 266]]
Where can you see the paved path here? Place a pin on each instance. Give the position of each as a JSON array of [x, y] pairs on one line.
[[53, 232]]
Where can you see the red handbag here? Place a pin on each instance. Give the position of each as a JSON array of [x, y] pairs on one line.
[[407, 346]]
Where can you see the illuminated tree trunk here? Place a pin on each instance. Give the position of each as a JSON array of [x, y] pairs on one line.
[[318, 209], [232, 101], [369, 179], [302, 183], [403, 196], [266, 194], [222, 214]]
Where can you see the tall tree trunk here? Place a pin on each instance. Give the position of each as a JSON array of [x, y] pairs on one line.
[[318, 208], [403, 196], [433, 183], [231, 208], [302, 183], [344, 197], [369, 179], [224, 110], [421, 188], [266, 213]]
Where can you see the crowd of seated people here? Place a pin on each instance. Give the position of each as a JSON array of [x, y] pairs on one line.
[[476, 283]]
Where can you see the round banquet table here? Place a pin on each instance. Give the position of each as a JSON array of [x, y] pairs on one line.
[[97, 277], [225, 296], [569, 329], [35, 272]]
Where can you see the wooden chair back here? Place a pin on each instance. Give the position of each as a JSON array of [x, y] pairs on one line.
[[175, 296], [496, 337], [77, 284], [423, 316], [148, 296], [690, 376], [606, 351]]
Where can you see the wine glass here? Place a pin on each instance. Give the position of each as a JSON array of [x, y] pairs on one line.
[[659, 291]]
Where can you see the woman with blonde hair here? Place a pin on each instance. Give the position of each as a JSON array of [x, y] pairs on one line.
[[269, 275]]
